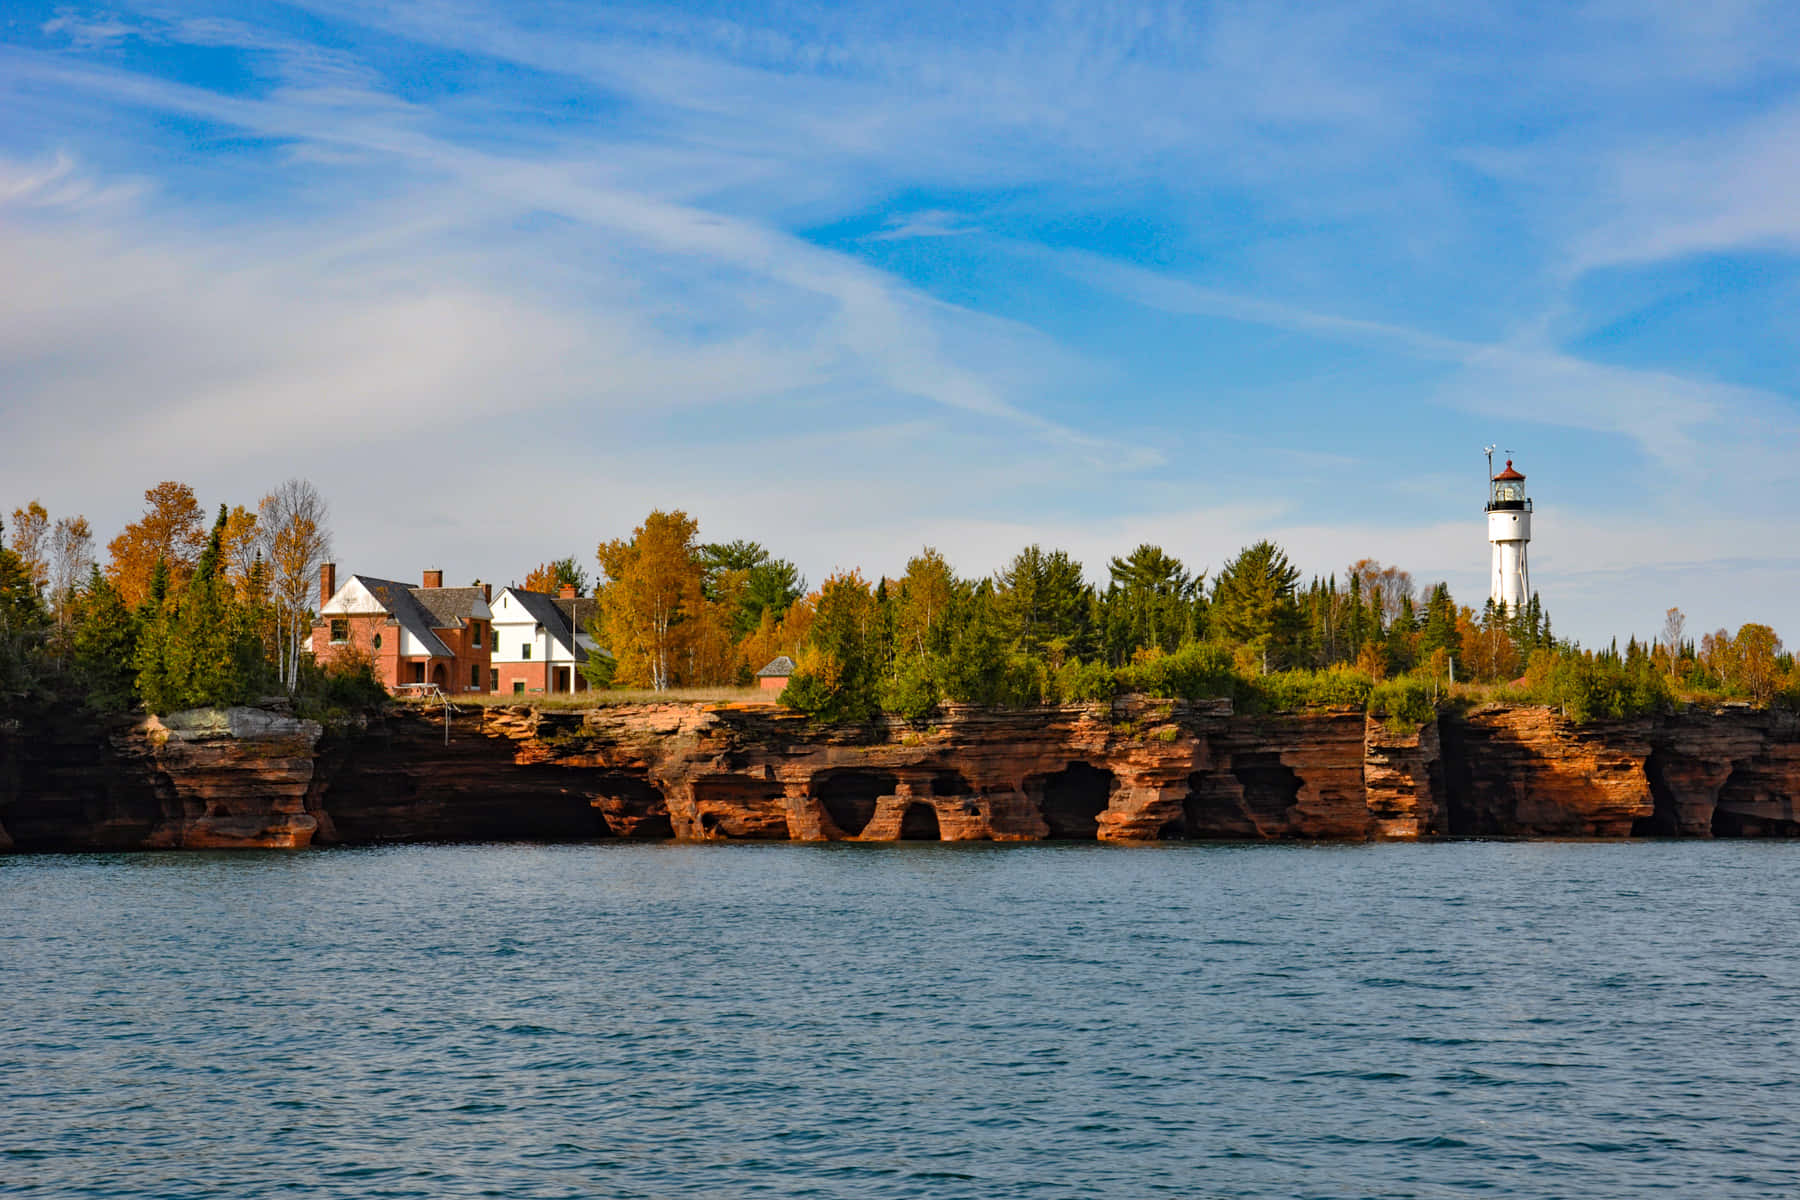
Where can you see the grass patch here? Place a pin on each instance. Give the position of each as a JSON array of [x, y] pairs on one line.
[[615, 696]]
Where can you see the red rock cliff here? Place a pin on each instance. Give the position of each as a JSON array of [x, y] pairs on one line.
[[1133, 770]]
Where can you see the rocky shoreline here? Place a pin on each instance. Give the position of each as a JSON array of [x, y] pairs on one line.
[[1133, 770]]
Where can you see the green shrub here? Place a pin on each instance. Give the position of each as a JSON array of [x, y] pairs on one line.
[[1333, 687], [345, 686], [1406, 701], [1080, 683], [913, 692], [1589, 687], [1196, 671]]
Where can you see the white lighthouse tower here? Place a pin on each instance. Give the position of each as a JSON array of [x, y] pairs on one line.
[[1509, 531]]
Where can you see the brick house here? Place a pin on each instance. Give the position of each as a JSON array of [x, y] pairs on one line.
[[540, 641], [428, 634]]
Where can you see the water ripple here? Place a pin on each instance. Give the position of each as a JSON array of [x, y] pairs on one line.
[[1495, 1019]]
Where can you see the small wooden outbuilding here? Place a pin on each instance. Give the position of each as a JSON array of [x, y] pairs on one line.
[[775, 676]]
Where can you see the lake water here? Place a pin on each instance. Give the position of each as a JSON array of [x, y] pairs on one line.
[[1480, 1019]]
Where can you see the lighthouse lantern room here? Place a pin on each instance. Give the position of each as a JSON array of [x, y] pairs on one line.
[[1509, 532]]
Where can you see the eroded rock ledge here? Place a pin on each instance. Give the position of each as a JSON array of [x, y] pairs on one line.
[[1135, 770]]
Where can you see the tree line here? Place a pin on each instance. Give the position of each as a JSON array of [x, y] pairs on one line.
[[679, 612], [183, 613]]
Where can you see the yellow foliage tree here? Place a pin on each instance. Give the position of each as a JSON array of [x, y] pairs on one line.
[[30, 528], [651, 604], [772, 638]]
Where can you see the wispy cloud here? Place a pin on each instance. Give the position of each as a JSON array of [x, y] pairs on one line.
[[629, 247]]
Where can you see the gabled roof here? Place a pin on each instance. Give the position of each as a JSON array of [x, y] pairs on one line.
[[403, 605], [580, 613], [781, 668], [562, 619]]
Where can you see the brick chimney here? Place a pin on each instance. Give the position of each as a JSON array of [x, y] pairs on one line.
[[433, 579], [487, 593], [567, 592], [327, 582]]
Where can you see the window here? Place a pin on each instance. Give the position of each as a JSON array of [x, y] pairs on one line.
[[525, 650], [475, 678], [340, 631], [518, 687], [376, 641], [418, 673], [494, 680], [475, 628]]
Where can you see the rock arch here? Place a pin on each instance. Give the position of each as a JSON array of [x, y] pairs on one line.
[[919, 823]]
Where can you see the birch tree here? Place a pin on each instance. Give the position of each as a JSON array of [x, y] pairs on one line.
[[293, 535], [30, 528], [651, 599]]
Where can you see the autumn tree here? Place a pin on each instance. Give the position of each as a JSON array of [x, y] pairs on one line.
[[71, 559], [775, 636], [1388, 589], [551, 577], [172, 530], [922, 599], [200, 649], [1674, 627], [30, 532], [241, 548], [650, 599], [1756, 670], [293, 536], [747, 581]]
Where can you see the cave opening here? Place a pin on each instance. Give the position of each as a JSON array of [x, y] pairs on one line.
[[1270, 785], [742, 807], [631, 806], [1072, 799], [950, 783], [919, 823], [1210, 810], [1663, 820], [1731, 820], [849, 796]]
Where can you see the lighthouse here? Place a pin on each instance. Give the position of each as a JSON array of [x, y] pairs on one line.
[[1509, 532]]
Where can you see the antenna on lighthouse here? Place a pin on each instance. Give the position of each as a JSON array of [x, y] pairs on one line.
[[1489, 451]]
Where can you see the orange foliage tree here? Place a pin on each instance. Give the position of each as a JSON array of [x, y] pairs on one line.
[[172, 529]]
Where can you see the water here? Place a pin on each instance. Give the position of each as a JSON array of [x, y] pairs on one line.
[[1492, 1019]]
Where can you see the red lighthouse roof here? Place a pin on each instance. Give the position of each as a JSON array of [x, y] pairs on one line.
[[1509, 473]]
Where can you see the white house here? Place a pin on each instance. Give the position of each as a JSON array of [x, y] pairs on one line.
[[540, 641]]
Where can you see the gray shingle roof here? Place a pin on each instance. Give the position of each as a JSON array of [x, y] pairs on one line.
[[449, 607], [781, 667], [401, 600], [559, 617]]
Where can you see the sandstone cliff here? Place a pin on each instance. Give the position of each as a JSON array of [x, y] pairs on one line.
[[1133, 770]]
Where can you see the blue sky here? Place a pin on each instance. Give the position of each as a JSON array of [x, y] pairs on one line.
[[500, 279]]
